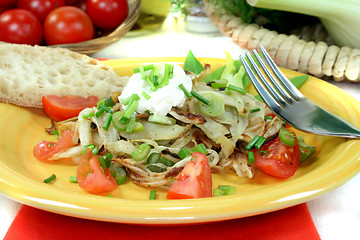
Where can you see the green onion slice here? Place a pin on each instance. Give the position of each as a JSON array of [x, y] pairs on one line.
[[184, 153], [141, 153], [119, 174], [200, 148], [162, 119], [287, 137], [153, 158], [306, 151], [215, 106], [223, 190]]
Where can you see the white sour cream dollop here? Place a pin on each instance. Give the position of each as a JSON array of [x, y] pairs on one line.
[[163, 99]]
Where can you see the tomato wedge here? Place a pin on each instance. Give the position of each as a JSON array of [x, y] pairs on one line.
[[194, 181], [278, 159], [62, 108], [44, 150], [92, 177]]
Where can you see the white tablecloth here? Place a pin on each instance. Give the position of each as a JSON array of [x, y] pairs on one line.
[[336, 214]]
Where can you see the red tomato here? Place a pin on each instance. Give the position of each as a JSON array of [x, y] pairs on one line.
[[92, 177], [194, 181], [67, 25], [280, 160], [20, 26], [62, 108], [7, 3], [45, 150], [115, 11], [40, 8]]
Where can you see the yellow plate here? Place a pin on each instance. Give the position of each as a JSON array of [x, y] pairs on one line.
[[21, 175]]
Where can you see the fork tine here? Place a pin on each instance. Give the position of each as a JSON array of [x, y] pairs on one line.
[[280, 89], [265, 95], [269, 88], [291, 89]]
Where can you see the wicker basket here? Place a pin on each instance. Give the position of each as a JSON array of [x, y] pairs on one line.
[[317, 57]]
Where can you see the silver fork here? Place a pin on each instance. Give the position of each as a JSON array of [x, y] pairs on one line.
[[288, 103]]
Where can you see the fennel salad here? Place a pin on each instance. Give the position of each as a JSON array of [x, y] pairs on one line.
[[171, 128]]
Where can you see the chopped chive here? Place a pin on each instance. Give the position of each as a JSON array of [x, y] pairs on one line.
[[130, 109], [184, 152], [102, 162], [123, 120], [200, 148], [106, 109], [227, 91], [152, 195], [146, 95], [259, 142], [73, 179], [251, 144], [268, 118], [130, 127], [254, 110], [50, 179], [107, 122], [200, 98], [130, 100], [89, 115], [99, 112], [108, 102], [94, 149], [145, 68], [219, 83], [55, 132], [251, 157], [186, 92], [237, 89]]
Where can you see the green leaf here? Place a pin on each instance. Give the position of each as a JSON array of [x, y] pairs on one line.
[[192, 64], [298, 81]]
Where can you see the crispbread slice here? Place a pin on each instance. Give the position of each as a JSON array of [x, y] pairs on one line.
[[29, 72]]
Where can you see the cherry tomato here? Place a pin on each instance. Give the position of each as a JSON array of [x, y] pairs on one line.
[[194, 181], [20, 26], [44, 150], [115, 11], [40, 8], [92, 177], [67, 25], [277, 159], [62, 108], [7, 3]]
